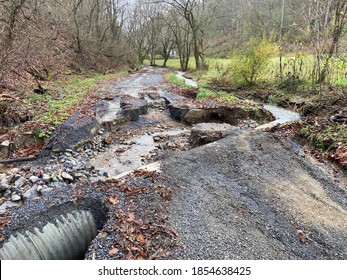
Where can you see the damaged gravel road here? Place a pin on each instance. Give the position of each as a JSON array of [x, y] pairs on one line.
[[251, 195], [254, 196]]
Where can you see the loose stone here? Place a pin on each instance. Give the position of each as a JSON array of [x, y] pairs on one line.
[[46, 191], [7, 204], [34, 179], [15, 197], [67, 176], [46, 177], [30, 193], [3, 187]]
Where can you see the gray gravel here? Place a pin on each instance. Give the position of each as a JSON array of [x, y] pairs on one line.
[[250, 197]]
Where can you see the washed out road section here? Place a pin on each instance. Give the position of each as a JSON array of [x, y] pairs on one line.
[[251, 195]]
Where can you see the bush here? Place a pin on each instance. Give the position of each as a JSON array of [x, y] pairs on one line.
[[248, 64], [221, 76], [294, 72]]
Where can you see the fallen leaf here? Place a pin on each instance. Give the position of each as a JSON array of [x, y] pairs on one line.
[[142, 171], [132, 230], [114, 200], [144, 227], [113, 252], [301, 235], [134, 249], [143, 254], [102, 234], [131, 216], [140, 238]]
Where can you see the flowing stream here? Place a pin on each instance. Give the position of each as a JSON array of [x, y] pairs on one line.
[[281, 115]]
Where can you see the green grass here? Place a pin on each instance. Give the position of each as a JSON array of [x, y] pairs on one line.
[[297, 66], [173, 63], [222, 97], [62, 99]]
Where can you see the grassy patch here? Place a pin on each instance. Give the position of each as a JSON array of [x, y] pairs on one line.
[[296, 71], [62, 99], [205, 92], [173, 63], [172, 78], [219, 96]]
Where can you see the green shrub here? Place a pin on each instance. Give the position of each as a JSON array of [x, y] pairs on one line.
[[248, 64]]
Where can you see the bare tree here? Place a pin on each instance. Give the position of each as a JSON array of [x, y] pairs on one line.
[[198, 14], [167, 40], [182, 35], [137, 35], [338, 26]]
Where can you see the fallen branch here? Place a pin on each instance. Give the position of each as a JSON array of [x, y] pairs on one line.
[[7, 87], [7, 161]]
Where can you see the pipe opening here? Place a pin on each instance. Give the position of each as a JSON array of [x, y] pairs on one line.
[[63, 232]]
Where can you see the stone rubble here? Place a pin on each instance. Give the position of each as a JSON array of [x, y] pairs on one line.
[[66, 167]]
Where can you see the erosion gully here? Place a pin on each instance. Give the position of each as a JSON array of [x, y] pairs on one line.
[[115, 152]]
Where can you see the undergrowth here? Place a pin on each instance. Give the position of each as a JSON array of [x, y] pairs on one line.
[[324, 135], [62, 98]]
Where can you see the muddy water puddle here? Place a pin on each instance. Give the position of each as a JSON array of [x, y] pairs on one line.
[[140, 151], [282, 115], [189, 82]]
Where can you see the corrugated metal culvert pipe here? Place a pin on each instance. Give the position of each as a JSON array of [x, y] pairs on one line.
[[65, 236]]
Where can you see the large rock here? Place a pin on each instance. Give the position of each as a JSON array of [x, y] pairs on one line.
[[194, 113], [31, 193], [205, 133], [109, 115], [5, 149], [75, 132], [133, 107]]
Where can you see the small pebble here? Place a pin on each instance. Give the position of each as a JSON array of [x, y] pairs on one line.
[[15, 197], [67, 176], [34, 179]]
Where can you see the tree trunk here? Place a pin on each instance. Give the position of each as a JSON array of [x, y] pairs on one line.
[[340, 22]]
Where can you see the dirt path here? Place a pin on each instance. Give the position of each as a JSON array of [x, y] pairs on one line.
[[251, 195]]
